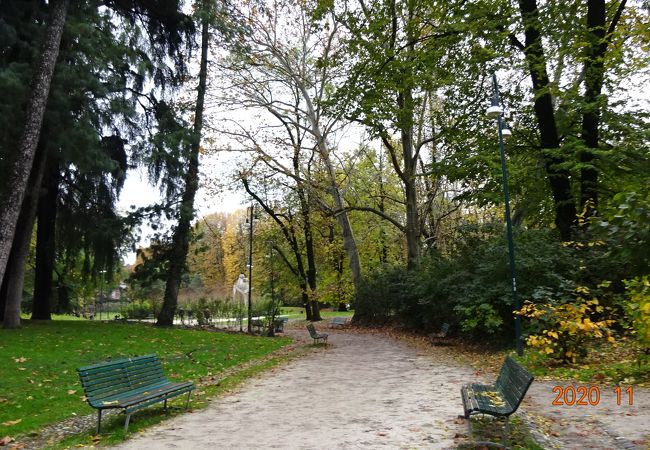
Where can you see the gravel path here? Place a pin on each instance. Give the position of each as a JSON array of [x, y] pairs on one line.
[[360, 392], [368, 391]]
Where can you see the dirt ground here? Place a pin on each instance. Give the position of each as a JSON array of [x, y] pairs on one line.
[[367, 391]]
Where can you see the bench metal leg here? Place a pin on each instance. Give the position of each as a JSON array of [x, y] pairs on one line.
[[126, 423], [187, 404], [165, 406], [506, 432], [99, 420]]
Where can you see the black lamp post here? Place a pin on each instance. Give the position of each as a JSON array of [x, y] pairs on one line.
[[101, 292], [496, 111], [250, 270]]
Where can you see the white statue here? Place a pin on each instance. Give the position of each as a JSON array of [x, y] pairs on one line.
[[240, 287]]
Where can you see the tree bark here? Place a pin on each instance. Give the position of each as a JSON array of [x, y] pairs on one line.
[[14, 280], [349, 242], [22, 166], [594, 70], [309, 248], [559, 179], [46, 242], [180, 241], [405, 103]]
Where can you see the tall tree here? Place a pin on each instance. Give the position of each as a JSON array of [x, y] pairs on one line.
[[180, 240], [267, 72], [599, 35], [22, 165]]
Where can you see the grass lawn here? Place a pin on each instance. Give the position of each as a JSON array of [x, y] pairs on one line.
[[296, 312], [39, 384]]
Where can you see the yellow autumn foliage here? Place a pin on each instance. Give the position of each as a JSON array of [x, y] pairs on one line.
[[568, 327]]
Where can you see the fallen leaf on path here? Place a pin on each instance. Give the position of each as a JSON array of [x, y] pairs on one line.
[[382, 433], [10, 423], [6, 440]]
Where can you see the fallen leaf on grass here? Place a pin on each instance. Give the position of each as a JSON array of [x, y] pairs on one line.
[[10, 423], [72, 392], [6, 440], [3, 400], [22, 359]]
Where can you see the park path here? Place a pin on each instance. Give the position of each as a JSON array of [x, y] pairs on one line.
[[369, 391], [360, 392]]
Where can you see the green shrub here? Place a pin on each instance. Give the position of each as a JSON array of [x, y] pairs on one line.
[[137, 310], [637, 308], [469, 288]]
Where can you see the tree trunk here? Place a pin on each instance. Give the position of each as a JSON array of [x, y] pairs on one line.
[[410, 190], [22, 166], [405, 121], [46, 242], [309, 248], [349, 242], [14, 280], [15, 274], [180, 242], [306, 303], [594, 69], [559, 180]]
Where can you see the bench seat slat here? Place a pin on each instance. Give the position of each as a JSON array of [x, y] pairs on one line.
[[108, 364]]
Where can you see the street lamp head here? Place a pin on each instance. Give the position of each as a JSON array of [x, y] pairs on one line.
[[505, 130], [495, 109]]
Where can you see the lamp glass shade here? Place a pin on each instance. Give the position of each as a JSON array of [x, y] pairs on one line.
[[505, 132], [494, 111]]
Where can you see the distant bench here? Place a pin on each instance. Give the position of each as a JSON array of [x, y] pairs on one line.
[[500, 400], [315, 335], [339, 322], [129, 384], [441, 336]]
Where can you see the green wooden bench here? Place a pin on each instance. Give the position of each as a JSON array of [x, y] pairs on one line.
[[280, 322], [339, 322], [500, 400], [441, 336], [315, 335], [129, 384]]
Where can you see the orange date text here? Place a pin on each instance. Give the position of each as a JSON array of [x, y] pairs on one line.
[[589, 395]]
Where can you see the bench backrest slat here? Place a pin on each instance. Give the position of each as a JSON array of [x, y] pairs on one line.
[[112, 378], [513, 382], [312, 330]]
